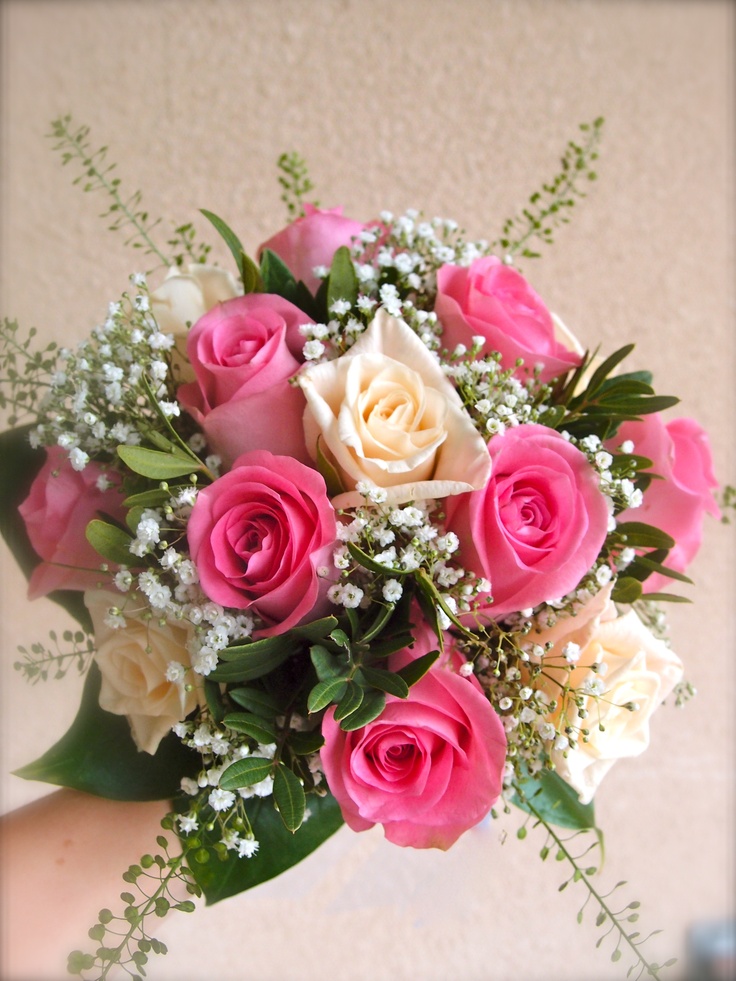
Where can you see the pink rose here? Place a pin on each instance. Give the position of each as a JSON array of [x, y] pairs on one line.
[[492, 300], [244, 352], [258, 537], [312, 241], [429, 767], [61, 503], [680, 453], [538, 525]]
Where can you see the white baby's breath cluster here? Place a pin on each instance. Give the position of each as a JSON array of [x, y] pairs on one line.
[[396, 263], [494, 398], [400, 540], [408, 250], [99, 394]]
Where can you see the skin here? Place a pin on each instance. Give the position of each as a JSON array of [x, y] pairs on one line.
[[61, 861]]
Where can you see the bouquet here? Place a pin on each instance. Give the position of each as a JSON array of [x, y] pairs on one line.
[[354, 531]]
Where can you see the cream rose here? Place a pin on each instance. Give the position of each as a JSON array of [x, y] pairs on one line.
[[565, 336], [635, 668], [385, 414], [133, 661], [184, 297]]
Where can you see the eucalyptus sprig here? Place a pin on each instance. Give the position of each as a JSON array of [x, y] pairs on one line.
[[125, 211], [295, 181], [614, 920], [184, 246], [550, 206], [124, 939]]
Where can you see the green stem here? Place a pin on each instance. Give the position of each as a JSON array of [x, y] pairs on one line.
[[93, 171], [173, 873], [582, 877]]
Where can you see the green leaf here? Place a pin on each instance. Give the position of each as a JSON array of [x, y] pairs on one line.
[[277, 277], [263, 646], [350, 700], [230, 239], [626, 590], [289, 798], [111, 542], [305, 743], [250, 274], [343, 282], [384, 615], [160, 441], [666, 598], [213, 697], [370, 708], [388, 681], [148, 499], [155, 464], [316, 630], [245, 772], [416, 669], [98, 756], [640, 535], [328, 665], [20, 465], [555, 801], [362, 558], [602, 372], [279, 849], [324, 693], [643, 565], [256, 701], [252, 725], [620, 386], [330, 474], [249, 661]]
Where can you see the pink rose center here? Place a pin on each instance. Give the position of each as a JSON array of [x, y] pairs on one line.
[[255, 545], [528, 510], [233, 349], [395, 758]]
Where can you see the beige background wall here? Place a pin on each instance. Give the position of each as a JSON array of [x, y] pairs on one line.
[[459, 107]]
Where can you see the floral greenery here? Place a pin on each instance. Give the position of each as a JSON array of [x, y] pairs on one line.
[[125, 211], [41, 660], [128, 941], [295, 181], [341, 656], [550, 206], [26, 372]]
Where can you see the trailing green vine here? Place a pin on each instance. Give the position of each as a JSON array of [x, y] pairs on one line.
[[616, 919]]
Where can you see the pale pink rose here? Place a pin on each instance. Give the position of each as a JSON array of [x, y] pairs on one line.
[[185, 296], [385, 414], [61, 503], [636, 669], [538, 525], [244, 353], [133, 661], [312, 241], [259, 536], [429, 767], [492, 300], [680, 453]]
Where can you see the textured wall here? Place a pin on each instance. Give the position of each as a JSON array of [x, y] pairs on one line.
[[459, 107]]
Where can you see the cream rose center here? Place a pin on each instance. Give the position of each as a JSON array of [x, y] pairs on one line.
[[393, 415]]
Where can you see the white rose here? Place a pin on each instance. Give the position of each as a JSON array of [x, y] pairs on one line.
[[133, 660], [384, 413], [637, 669], [184, 297]]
